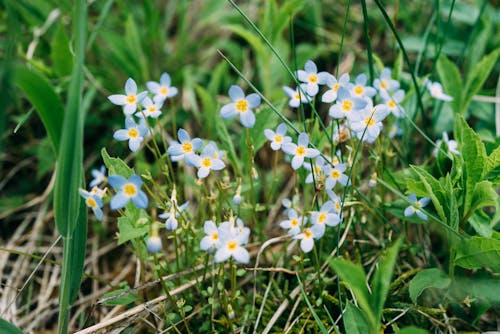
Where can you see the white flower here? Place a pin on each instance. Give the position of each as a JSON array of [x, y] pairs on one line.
[[452, 145], [312, 78], [130, 100], [300, 151], [277, 138], [416, 206], [297, 96], [162, 90], [293, 223], [211, 241], [307, 238], [436, 91], [335, 174], [327, 215], [334, 85], [241, 105], [207, 161]]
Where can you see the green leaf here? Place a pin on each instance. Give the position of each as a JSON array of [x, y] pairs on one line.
[[483, 195], [251, 38], [8, 328], [412, 330], [477, 76], [382, 279], [355, 278], [474, 155], [227, 142], [116, 166], [451, 80], [354, 321], [427, 278], [60, 54], [123, 300], [478, 252], [491, 170], [130, 228], [434, 190], [45, 100], [77, 252]]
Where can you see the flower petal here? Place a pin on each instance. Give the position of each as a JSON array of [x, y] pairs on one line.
[[119, 201], [235, 93]]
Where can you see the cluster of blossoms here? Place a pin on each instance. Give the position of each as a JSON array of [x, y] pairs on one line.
[[226, 240]]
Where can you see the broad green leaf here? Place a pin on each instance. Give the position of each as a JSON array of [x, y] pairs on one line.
[[483, 195], [412, 330], [434, 190], [491, 171], [227, 143], [116, 166], [355, 278], [477, 76], [252, 39], [474, 155], [451, 81], [45, 100], [382, 280], [482, 224], [123, 300], [354, 321], [427, 278], [130, 229], [209, 111], [478, 252], [60, 54], [8, 328]]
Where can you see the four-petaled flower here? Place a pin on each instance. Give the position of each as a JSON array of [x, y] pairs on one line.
[[241, 105], [151, 109], [393, 102], [300, 151], [127, 190], [327, 215], [211, 240], [293, 223], [277, 138], [99, 176], [133, 132], [162, 90], [130, 100], [185, 148], [416, 207], [312, 78], [335, 174], [171, 216], [384, 82], [346, 105], [368, 123], [307, 238], [297, 96], [436, 91], [92, 201], [206, 161], [231, 242], [331, 95]]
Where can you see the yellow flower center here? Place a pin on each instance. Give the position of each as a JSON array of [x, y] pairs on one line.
[[131, 99], [206, 162], [317, 169], [133, 133], [301, 150], [335, 160], [163, 90], [383, 84], [358, 90], [369, 121], [91, 202], [294, 222], [152, 109], [313, 78], [322, 218], [391, 104], [308, 234], [278, 139], [335, 174], [336, 87], [347, 105], [337, 206], [130, 189], [214, 236], [418, 204], [187, 147], [232, 245], [297, 96], [242, 105]]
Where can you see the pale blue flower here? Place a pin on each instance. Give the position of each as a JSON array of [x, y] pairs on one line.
[[92, 201], [153, 244], [133, 132], [162, 90], [368, 123], [206, 162], [300, 150], [293, 223], [171, 216], [415, 208], [297, 96], [185, 148], [231, 242], [316, 172], [277, 138], [130, 100], [335, 174], [151, 109], [384, 83], [451, 145], [241, 105], [360, 89], [312, 78], [327, 215], [211, 240], [392, 102], [127, 190], [307, 238], [334, 85], [436, 91], [346, 105], [99, 176]]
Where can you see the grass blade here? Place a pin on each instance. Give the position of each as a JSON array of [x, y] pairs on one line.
[[311, 308]]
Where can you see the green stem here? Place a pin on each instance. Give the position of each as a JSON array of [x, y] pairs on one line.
[[63, 318]]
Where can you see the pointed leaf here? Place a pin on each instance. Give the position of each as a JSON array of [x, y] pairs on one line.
[[412, 330], [478, 252], [427, 278], [60, 54], [451, 81], [382, 279], [8, 328], [354, 321], [492, 169], [78, 252], [116, 166], [434, 190]]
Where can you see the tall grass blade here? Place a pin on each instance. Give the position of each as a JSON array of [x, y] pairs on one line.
[[69, 168]]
